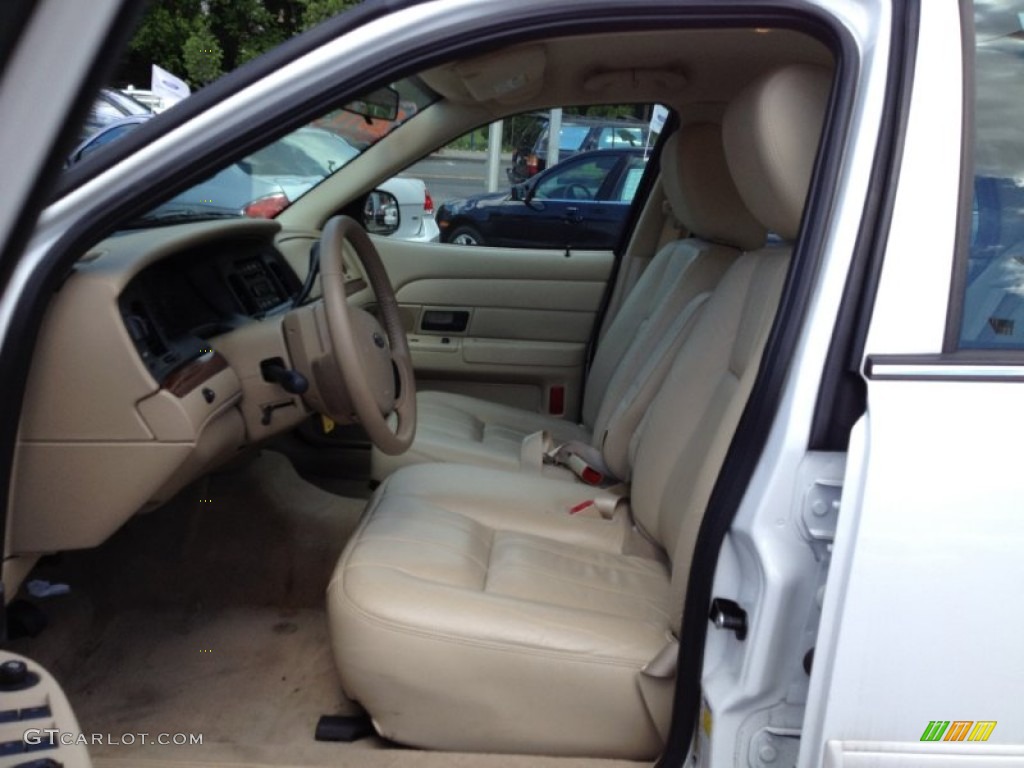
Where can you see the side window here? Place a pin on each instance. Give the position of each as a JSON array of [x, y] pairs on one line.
[[571, 137], [612, 138], [629, 180], [993, 301], [105, 138], [578, 181], [540, 201]]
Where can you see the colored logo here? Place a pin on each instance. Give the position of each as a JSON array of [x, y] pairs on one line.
[[958, 730]]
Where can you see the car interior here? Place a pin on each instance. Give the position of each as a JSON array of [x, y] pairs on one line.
[[449, 491]]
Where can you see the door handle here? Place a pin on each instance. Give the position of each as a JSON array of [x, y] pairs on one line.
[[445, 320], [573, 215]]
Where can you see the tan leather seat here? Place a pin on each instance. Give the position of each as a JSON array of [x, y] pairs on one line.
[[632, 357], [474, 611]]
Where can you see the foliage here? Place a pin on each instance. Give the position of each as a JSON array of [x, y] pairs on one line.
[[160, 39], [521, 131], [316, 11], [474, 140], [617, 110], [198, 40], [202, 55]]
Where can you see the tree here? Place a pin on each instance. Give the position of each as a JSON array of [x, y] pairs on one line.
[[247, 28], [159, 39], [317, 11], [202, 55], [201, 39]]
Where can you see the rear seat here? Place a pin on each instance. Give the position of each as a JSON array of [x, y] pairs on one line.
[[633, 356], [473, 611]]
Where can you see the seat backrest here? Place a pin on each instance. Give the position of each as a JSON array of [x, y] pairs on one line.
[[771, 132], [632, 358]]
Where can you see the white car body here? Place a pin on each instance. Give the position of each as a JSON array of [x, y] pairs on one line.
[[879, 577], [416, 220], [147, 97]]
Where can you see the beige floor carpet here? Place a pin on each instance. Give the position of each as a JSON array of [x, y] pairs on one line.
[[381, 758], [252, 682]]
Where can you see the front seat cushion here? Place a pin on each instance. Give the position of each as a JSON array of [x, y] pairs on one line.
[[519, 621], [456, 428]]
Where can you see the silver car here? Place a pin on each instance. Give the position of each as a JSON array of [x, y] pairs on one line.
[[266, 182]]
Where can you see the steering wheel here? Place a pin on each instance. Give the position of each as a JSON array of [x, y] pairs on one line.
[[578, 192], [372, 359]]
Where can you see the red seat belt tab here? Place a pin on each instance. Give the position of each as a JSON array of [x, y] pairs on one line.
[[582, 470]]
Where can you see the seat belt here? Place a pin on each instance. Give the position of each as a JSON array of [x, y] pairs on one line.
[[583, 460], [643, 192]]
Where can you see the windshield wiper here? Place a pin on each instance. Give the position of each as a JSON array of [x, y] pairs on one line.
[[182, 213]]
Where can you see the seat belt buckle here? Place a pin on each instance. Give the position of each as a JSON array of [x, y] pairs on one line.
[[583, 471]]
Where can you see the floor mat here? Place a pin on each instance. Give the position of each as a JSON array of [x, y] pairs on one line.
[[250, 682]]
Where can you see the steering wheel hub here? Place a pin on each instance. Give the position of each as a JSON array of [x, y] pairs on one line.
[[365, 373]]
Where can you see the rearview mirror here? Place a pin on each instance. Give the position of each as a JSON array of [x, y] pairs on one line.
[[381, 215], [380, 104]]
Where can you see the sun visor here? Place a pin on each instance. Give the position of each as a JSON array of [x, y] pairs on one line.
[[507, 77]]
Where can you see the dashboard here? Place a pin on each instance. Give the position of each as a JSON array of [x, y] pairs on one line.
[[149, 371], [174, 307]]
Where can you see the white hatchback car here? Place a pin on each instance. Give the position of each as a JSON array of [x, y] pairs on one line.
[[741, 491]]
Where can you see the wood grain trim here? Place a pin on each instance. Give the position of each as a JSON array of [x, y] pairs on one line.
[[185, 379]]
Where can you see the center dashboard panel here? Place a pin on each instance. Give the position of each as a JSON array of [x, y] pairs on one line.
[[174, 307], [145, 372]]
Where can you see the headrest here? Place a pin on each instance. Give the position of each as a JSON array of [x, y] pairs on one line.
[[771, 132], [700, 189]]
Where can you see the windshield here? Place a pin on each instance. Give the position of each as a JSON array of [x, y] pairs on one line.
[[264, 183], [108, 107]]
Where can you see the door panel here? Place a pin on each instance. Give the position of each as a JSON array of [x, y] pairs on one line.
[[530, 317], [915, 630], [538, 292], [927, 560]]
